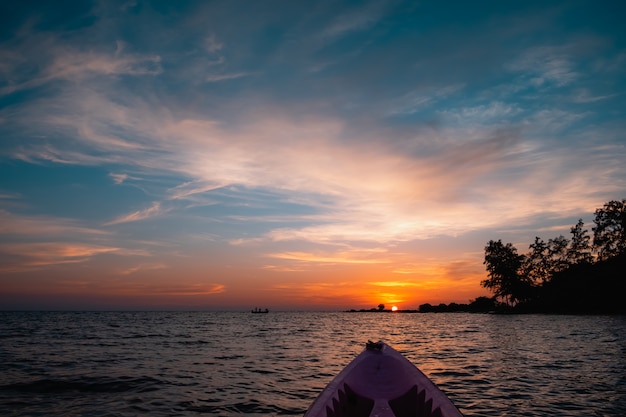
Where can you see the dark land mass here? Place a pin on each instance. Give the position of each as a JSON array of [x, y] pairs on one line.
[[586, 288]]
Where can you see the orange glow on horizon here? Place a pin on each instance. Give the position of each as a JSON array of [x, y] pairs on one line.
[[289, 286]]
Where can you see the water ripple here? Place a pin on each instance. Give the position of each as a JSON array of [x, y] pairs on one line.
[[232, 364]]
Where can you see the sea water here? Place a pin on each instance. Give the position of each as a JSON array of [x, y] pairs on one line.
[[233, 364]]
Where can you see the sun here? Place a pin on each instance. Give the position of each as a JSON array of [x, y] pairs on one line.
[[394, 308]]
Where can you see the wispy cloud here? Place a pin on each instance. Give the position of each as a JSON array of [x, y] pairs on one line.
[[191, 188], [586, 96], [127, 287], [36, 242], [301, 141], [32, 256], [195, 290], [417, 100], [212, 44], [142, 267], [118, 178], [155, 210], [44, 226], [398, 284], [76, 65], [496, 112], [212, 78], [357, 19], [327, 258], [376, 191], [545, 64]]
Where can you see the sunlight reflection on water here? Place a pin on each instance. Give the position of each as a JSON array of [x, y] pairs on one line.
[[228, 364]]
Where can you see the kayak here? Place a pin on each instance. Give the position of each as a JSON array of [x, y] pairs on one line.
[[380, 382]]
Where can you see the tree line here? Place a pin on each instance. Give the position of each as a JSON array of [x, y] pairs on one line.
[[582, 274]]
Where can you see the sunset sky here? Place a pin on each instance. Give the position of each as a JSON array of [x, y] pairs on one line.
[[328, 155]]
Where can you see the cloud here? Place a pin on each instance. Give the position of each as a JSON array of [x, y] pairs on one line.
[[359, 181], [142, 267], [351, 21], [189, 189], [129, 287], [128, 5], [395, 284], [370, 190], [212, 78], [564, 64], [78, 64], [155, 210], [282, 268], [586, 96], [44, 226], [545, 63], [9, 196], [38, 255], [417, 100], [354, 257], [212, 44], [496, 112], [67, 64], [194, 290], [36, 242], [553, 120], [118, 178]]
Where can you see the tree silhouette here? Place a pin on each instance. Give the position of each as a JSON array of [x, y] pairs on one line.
[[563, 275], [503, 265], [609, 233], [557, 252], [536, 265], [545, 259], [579, 250]]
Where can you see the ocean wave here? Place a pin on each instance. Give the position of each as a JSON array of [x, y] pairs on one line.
[[85, 385]]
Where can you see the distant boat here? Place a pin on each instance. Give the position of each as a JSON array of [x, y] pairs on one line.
[[381, 382], [260, 311]]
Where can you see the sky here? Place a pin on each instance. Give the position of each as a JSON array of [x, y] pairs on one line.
[[225, 155]]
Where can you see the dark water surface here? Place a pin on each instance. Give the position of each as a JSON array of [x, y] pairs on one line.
[[232, 364]]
